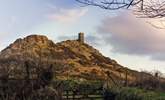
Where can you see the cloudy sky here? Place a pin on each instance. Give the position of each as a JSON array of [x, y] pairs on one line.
[[120, 35]]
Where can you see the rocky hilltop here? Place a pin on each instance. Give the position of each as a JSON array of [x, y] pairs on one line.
[[70, 59]]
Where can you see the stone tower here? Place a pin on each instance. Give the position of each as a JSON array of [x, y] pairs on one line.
[[81, 37]]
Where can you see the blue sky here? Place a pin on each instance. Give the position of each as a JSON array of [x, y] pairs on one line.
[[117, 34]]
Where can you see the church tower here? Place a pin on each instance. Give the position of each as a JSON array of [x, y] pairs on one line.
[[81, 37]]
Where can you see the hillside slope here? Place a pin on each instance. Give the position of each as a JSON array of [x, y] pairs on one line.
[[70, 59]]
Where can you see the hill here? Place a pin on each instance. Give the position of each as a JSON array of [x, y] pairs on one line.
[[70, 59]]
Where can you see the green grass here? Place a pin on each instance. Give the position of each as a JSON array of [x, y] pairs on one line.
[[127, 93]]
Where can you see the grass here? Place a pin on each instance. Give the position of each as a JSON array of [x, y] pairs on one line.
[[129, 93]]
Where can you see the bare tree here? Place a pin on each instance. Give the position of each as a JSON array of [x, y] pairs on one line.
[[111, 4], [152, 9], [142, 8]]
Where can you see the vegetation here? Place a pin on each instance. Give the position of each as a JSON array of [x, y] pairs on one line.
[[128, 93], [50, 73]]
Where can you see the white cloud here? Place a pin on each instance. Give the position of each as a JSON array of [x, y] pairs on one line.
[[67, 15], [130, 35]]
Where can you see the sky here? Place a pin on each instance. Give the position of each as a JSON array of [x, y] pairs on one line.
[[131, 41]]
